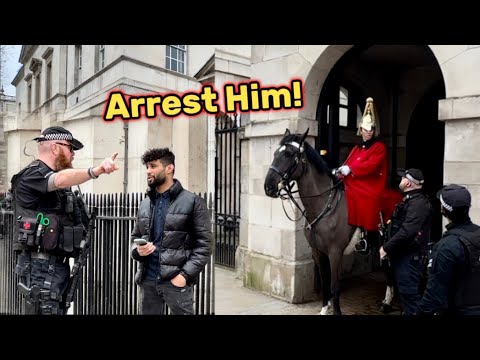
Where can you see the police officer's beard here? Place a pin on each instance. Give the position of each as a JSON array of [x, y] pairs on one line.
[[158, 180], [62, 162]]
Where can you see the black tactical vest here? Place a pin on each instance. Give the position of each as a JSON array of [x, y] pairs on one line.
[[468, 291], [423, 237], [64, 232]]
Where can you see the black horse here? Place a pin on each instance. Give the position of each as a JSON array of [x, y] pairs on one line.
[[325, 208]]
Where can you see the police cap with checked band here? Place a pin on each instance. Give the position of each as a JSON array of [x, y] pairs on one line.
[[454, 196], [413, 175], [59, 133]]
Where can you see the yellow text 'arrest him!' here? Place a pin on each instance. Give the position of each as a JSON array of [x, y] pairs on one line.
[[243, 97]]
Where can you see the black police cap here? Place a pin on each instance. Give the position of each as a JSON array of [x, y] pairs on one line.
[[412, 174], [59, 133], [453, 196]]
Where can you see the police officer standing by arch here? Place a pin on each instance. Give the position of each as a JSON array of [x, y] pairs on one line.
[[453, 285], [48, 227], [409, 234]]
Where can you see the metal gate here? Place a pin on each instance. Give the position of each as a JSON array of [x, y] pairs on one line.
[[227, 188]]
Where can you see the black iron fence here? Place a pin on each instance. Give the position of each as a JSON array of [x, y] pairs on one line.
[[108, 285], [227, 188]]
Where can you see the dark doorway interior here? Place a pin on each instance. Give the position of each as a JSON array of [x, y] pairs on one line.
[[392, 75], [425, 148]]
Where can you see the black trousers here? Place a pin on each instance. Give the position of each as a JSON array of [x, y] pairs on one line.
[[408, 276], [154, 295]]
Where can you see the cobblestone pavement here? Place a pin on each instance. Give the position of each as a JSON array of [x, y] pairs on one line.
[[359, 297]]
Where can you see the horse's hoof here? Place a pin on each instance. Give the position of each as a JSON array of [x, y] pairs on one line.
[[386, 308]]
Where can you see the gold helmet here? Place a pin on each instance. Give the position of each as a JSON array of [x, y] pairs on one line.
[[369, 118]]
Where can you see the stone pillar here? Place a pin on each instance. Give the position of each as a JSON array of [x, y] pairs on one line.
[[462, 159], [273, 256]]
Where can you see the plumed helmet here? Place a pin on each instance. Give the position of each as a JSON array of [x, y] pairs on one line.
[[369, 119]]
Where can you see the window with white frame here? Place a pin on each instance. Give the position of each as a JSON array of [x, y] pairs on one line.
[[38, 82], [48, 85], [29, 97], [99, 57], [176, 58], [349, 113], [78, 65]]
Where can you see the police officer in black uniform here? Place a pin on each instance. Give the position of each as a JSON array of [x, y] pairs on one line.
[[49, 224], [409, 234], [453, 285]]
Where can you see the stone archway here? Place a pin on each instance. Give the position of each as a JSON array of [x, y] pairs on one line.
[[407, 85]]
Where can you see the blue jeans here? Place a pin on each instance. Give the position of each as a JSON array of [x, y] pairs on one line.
[[154, 295]]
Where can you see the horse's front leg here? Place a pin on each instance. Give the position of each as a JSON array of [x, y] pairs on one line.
[[336, 271], [325, 274]]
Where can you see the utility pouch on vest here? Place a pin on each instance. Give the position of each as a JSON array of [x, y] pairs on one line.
[[72, 237], [68, 237], [22, 267], [77, 236], [50, 233], [27, 230]]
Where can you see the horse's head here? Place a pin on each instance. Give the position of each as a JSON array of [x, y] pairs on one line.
[[286, 165]]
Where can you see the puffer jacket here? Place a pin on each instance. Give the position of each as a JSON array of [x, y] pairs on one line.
[[186, 244]]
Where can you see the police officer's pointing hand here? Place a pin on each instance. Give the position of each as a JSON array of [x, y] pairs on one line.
[[108, 164]]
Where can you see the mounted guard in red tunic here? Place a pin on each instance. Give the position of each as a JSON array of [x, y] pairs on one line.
[[365, 177]]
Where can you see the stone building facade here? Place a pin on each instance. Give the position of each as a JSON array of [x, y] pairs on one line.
[[7, 115], [427, 98], [68, 85]]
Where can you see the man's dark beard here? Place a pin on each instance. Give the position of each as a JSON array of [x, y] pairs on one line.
[[61, 162], [158, 180]]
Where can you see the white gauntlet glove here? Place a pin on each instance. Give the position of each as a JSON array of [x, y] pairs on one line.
[[344, 170]]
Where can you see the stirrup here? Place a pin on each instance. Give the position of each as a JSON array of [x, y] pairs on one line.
[[362, 247]]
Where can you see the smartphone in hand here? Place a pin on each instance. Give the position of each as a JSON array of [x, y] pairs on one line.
[[140, 242]]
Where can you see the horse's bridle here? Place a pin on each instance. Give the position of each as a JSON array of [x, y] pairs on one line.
[[287, 184], [286, 181]]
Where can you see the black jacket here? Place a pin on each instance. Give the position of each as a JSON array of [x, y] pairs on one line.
[[186, 244], [410, 227]]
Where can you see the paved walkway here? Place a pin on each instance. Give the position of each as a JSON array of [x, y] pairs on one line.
[[359, 297]]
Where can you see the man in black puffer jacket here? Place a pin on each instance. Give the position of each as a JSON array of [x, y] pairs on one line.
[[177, 228]]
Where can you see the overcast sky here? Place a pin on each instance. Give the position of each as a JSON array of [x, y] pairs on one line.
[[12, 66]]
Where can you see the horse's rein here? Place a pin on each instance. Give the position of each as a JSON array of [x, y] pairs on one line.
[[288, 185], [328, 207]]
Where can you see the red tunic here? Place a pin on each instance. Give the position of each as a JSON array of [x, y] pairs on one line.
[[366, 186]]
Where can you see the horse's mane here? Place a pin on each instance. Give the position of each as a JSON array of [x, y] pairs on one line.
[[312, 155]]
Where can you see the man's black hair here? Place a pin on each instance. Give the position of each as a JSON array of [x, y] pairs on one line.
[[165, 156]]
